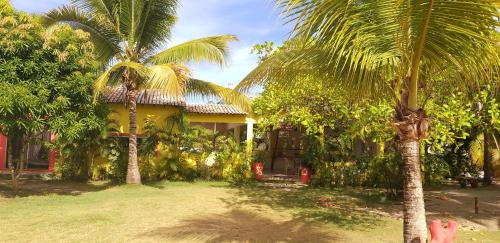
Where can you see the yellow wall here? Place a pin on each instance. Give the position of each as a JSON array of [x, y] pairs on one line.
[[120, 114]]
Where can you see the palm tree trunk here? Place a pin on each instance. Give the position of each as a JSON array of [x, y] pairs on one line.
[[133, 175], [487, 166], [415, 228], [411, 127]]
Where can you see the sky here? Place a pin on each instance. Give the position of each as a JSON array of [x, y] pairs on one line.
[[253, 21]]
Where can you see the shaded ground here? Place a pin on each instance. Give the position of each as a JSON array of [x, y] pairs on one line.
[[217, 212], [459, 204], [241, 225], [40, 188]]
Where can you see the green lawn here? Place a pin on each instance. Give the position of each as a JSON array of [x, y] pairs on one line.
[[195, 212]]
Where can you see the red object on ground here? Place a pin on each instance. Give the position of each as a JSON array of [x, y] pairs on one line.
[[258, 170], [441, 235], [305, 175]]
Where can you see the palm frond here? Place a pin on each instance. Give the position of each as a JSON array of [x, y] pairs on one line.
[[296, 65], [458, 33], [476, 148], [476, 151], [113, 76], [155, 23], [106, 8], [5, 7], [171, 79], [105, 39], [210, 49], [396, 36], [200, 88]]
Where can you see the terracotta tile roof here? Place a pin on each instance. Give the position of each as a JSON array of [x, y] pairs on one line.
[[145, 97], [214, 109], [155, 97]]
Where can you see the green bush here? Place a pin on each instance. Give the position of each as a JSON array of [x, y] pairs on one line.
[[177, 151], [231, 161], [169, 165], [435, 169], [117, 156]]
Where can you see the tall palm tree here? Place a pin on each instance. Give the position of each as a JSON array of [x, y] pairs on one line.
[[389, 48], [129, 37]]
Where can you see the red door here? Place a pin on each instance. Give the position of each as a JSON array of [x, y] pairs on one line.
[[3, 152]]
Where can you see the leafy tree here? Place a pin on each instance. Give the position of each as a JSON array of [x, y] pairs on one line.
[[387, 48], [130, 35], [306, 104], [488, 123], [452, 118], [45, 84]]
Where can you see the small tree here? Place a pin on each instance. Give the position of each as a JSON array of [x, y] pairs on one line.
[[45, 84]]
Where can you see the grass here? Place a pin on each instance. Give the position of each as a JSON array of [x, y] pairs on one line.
[[195, 212]]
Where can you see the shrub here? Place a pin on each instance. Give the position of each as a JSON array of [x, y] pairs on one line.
[[231, 162], [168, 164], [117, 156], [435, 169]]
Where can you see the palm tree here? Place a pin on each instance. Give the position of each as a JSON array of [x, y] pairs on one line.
[[386, 48], [129, 37]]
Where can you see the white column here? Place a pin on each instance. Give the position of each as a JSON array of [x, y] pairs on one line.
[[250, 134]]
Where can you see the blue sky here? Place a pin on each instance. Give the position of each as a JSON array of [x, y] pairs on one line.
[[253, 21]]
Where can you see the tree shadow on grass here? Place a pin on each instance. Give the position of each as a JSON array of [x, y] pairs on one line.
[[239, 226], [311, 205], [39, 188]]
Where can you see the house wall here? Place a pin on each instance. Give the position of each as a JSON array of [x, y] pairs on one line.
[[160, 113]]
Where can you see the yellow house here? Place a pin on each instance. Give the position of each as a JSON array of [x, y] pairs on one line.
[[217, 117]]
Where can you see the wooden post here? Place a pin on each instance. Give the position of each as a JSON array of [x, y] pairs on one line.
[[476, 205]]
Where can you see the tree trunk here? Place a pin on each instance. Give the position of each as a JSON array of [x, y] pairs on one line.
[[415, 228], [411, 127], [17, 170], [10, 161], [487, 166], [133, 175]]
